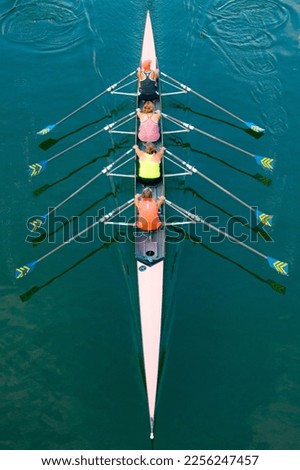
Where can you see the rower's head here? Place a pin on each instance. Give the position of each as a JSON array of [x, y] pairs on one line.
[[147, 192], [148, 107], [147, 65], [150, 148]]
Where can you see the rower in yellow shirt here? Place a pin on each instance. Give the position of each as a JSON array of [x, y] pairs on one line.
[[149, 163]]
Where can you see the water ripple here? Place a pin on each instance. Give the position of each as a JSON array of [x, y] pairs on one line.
[[267, 14], [44, 25], [268, 93], [243, 32], [277, 119], [246, 37]]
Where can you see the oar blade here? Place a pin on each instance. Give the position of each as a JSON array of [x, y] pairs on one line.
[[280, 266], [264, 218], [22, 271], [46, 129], [254, 127], [36, 223], [265, 162], [36, 168]]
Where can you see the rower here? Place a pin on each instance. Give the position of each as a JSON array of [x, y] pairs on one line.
[[147, 82], [149, 119], [148, 217], [149, 171]]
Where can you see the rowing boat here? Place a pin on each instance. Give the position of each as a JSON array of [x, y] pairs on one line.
[[150, 253], [150, 246]]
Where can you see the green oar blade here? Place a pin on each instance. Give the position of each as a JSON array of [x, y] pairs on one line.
[[264, 218], [36, 223], [265, 162], [37, 168], [254, 127], [280, 266], [22, 271], [46, 129]]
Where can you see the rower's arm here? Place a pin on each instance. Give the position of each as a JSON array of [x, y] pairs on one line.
[[157, 115], [160, 201], [137, 199], [160, 153], [154, 74], [138, 151]]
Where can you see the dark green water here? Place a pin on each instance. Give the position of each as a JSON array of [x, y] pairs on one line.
[[71, 374]]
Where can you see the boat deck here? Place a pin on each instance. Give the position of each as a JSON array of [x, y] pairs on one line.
[[150, 246]]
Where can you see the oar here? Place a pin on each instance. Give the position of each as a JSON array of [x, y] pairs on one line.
[[49, 128], [280, 266], [250, 125], [37, 168], [265, 162], [28, 268], [260, 216], [39, 221]]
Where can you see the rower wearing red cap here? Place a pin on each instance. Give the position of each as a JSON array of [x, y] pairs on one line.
[[147, 82]]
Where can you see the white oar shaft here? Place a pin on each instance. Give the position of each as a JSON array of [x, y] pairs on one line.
[[230, 237], [103, 219], [200, 131], [106, 128], [188, 89], [82, 106], [110, 88], [76, 145], [104, 170], [217, 105], [196, 218], [223, 189], [222, 141], [214, 183]]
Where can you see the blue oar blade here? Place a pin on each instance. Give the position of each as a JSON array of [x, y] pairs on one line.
[[264, 218], [280, 266], [46, 129], [36, 223], [37, 168], [24, 270], [266, 162], [254, 127]]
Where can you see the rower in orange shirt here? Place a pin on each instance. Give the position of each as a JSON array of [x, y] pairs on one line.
[[148, 217]]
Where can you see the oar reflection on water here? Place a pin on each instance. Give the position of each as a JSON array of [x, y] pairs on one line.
[[121, 145], [34, 290], [36, 240], [276, 286], [177, 141]]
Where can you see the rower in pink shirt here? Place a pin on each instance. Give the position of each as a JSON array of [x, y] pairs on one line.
[[149, 119]]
